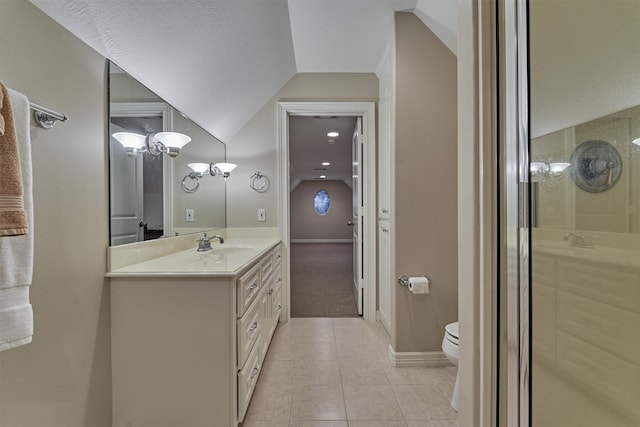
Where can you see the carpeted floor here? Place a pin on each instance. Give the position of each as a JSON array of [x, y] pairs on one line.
[[322, 280]]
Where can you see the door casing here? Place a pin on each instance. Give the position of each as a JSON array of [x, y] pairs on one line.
[[369, 229]]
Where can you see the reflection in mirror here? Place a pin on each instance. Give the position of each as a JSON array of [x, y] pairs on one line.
[[147, 200], [587, 177]]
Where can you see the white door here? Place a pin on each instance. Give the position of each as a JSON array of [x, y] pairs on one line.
[[127, 223], [358, 212]]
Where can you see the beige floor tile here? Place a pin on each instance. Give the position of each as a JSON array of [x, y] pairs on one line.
[[430, 423], [265, 423], [371, 402], [317, 351], [306, 335], [277, 371], [271, 402], [377, 423], [362, 372], [358, 350], [412, 375], [423, 402], [318, 372], [310, 423], [318, 402]]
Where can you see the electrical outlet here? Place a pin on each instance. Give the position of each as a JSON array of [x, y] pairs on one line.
[[189, 217], [262, 215]]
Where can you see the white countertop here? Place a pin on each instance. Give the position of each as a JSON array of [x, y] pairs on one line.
[[613, 256], [224, 260]]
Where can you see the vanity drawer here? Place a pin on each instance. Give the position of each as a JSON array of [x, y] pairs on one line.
[[277, 306], [247, 379], [277, 257], [543, 269], [609, 328], [615, 287], [248, 287], [249, 327], [599, 370]]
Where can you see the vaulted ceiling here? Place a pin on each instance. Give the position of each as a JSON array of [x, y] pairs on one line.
[[220, 61]]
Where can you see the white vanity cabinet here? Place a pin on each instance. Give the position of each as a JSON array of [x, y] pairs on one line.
[[586, 325], [187, 349]]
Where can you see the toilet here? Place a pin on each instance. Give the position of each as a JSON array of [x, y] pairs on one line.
[[450, 349]]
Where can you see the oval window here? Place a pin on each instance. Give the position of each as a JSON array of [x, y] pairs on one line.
[[322, 202]]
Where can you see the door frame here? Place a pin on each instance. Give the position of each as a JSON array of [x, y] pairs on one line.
[[369, 229], [153, 109]]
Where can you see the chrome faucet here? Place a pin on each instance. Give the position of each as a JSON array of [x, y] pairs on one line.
[[204, 244], [578, 240]]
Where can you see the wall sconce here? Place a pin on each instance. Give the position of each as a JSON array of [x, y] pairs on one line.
[[168, 143], [550, 174], [202, 169]]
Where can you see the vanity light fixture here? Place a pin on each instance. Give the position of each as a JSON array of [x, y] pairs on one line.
[[169, 143], [202, 169], [636, 141], [550, 174], [333, 134], [326, 164]]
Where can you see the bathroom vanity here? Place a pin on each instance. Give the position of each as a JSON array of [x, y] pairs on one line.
[[586, 322], [190, 330]]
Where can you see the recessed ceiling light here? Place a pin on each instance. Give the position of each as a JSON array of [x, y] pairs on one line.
[[323, 176], [333, 134], [326, 164]]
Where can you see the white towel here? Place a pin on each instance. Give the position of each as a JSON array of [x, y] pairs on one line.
[[16, 252]]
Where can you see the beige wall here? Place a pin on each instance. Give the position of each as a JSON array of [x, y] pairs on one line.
[[305, 223], [255, 147], [63, 378], [425, 188]]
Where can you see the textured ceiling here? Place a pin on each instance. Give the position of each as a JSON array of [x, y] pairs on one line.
[[220, 61]]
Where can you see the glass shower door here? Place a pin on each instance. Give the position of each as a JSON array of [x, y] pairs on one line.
[[584, 173]]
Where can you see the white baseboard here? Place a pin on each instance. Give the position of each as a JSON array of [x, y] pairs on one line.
[[415, 358], [380, 317], [321, 240]]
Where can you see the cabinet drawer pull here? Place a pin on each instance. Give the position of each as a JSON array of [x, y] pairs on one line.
[[254, 372], [279, 279], [253, 286], [253, 327], [279, 307], [270, 292], [278, 256]]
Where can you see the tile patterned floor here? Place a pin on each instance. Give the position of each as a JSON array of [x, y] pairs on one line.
[[335, 372]]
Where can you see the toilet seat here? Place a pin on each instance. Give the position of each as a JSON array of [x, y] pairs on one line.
[[451, 332]]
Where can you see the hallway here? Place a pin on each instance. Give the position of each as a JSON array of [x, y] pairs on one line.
[[324, 372], [322, 280]]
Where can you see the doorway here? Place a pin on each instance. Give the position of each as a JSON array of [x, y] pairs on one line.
[[367, 184], [325, 198]]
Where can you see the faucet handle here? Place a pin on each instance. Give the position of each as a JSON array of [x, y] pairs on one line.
[[204, 244]]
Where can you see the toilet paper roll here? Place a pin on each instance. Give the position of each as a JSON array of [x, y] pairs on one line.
[[419, 285]]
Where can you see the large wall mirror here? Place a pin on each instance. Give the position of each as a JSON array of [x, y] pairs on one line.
[[589, 175], [147, 197]]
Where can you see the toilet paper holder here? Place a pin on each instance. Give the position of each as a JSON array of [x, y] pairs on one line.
[[404, 280]]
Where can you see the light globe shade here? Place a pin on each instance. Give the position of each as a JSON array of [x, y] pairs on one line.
[[225, 168], [172, 139], [558, 167], [636, 141], [131, 140], [199, 167], [538, 167]]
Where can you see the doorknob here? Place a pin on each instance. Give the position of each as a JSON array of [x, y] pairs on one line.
[[350, 223], [142, 224]]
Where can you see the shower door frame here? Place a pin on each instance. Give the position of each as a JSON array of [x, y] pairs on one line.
[[515, 189]]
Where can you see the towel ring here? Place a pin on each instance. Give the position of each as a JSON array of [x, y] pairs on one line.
[[259, 182], [193, 177]]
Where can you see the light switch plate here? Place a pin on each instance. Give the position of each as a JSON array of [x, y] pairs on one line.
[[189, 217], [262, 215]]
